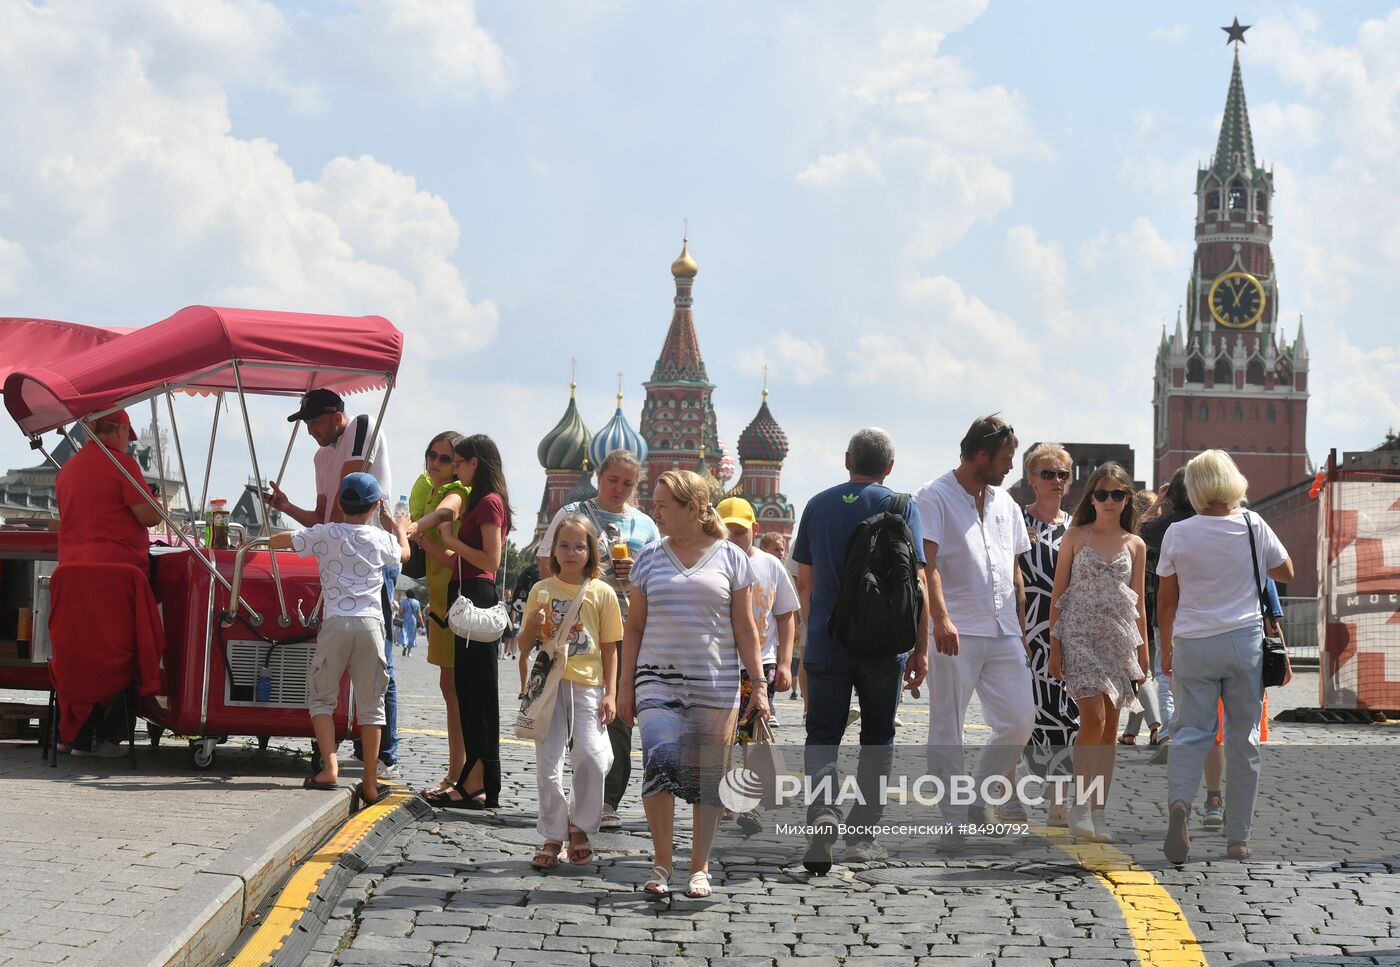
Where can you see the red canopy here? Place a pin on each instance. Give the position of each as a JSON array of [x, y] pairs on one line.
[[277, 353], [35, 342]]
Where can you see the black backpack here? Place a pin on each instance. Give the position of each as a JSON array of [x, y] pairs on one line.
[[879, 606]]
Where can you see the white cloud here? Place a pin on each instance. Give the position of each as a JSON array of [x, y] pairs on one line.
[[426, 49], [14, 266], [1174, 34], [918, 125], [789, 358]]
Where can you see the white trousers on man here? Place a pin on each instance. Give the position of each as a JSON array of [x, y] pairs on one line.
[[576, 716], [995, 669]]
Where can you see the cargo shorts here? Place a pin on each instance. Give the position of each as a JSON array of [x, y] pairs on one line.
[[356, 643]]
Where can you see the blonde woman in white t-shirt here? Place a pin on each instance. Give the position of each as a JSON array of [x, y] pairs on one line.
[[1212, 644]]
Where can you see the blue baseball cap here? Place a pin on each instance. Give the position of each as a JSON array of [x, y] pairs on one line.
[[359, 492]]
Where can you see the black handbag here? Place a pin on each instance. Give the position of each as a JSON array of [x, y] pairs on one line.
[[1275, 651]]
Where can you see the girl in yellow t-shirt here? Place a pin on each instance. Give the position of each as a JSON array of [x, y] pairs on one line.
[[586, 701]]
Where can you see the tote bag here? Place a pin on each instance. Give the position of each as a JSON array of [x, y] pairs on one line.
[[542, 687]]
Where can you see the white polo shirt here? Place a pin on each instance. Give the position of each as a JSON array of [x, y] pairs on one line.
[[329, 461], [976, 554]]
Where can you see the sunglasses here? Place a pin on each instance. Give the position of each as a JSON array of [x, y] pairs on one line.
[[1003, 430], [1060, 475], [1117, 496], [433, 456]]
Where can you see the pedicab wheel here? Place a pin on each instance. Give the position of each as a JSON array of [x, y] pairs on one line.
[[263, 742], [153, 733], [202, 754]]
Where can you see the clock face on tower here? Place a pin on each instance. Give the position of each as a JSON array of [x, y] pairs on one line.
[[1236, 300]]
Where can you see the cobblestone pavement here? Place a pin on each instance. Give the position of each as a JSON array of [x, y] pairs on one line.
[[97, 860], [1321, 888]]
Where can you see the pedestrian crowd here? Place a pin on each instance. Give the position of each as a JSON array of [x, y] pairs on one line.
[[683, 625]]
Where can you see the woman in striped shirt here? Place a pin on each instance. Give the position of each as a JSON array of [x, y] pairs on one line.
[[689, 631]]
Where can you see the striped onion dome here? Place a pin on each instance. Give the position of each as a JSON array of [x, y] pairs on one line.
[[566, 446], [617, 434], [763, 439], [726, 463]]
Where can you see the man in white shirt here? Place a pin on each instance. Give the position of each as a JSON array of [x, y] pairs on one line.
[[345, 449], [973, 533]]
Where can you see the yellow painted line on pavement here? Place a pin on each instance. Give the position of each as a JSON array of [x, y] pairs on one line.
[[1156, 922], [291, 904]]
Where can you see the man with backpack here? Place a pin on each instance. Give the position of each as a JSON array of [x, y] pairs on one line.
[[860, 583], [973, 533]]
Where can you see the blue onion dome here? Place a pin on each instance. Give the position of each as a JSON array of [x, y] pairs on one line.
[[763, 439], [617, 434], [566, 446]]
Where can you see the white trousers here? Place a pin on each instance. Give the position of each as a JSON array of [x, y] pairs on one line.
[[576, 715], [994, 668]]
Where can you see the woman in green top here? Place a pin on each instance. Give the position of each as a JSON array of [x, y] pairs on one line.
[[437, 482]]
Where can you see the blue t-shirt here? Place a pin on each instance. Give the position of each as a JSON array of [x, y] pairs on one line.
[[822, 536]]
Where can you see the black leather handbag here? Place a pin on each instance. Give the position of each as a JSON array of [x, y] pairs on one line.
[[1275, 651]]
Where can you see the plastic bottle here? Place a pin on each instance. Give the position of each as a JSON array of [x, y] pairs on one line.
[[218, 524], [262, 692], [401, 508]]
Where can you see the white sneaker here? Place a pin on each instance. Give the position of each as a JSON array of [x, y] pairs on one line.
[[1101, 831], [1081, 823], [386, 771], [866, 851], [99, 750]]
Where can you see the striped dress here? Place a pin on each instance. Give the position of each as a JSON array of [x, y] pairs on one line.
[[687, 684]]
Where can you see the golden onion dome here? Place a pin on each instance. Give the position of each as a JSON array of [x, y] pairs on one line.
[[684, 266]]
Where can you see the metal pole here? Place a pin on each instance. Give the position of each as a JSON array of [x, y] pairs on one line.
[[209, 460], [180, 455], [150, 499], [160, 456], [284, 618], [378, 420]]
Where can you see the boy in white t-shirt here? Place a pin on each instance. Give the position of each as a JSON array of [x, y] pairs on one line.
[[351, 556]]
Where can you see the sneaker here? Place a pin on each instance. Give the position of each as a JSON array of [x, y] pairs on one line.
[[980, 814], [610, 819], [1102, 833], [818, 858], [865, 851], [750, 822], [389, 770], [898, 722], [1213, 814], [99, 750], [773, 721], [1177, 844], [1081, 823], [1238, 851], [1013, 812]]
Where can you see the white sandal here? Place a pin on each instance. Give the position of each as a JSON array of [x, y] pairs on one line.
[[699, 886], [659, 885]]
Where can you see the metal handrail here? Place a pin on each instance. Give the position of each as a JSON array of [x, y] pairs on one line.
[[227, 618]]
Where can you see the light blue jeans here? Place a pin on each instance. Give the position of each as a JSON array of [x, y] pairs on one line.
[[1226, 667]]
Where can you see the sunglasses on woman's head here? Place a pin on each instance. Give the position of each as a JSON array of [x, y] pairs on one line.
[[1054, 475], [432, 455], [1117, 496]]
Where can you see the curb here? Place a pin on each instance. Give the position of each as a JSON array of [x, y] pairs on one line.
[[205, 918]]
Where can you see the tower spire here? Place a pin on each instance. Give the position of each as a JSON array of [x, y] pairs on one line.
[[1234, 151]]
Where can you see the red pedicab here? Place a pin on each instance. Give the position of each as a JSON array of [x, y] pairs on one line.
[[231, 616]]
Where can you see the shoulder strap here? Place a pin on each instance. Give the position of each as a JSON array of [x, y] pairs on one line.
[[897, 504], [1254, 562], [361, 431]]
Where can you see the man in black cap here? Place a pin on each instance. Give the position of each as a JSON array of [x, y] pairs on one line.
[[345, 449]]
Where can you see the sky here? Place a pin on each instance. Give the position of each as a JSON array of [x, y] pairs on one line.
[[912, 213]]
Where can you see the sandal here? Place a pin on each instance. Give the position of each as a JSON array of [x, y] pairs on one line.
[[699, 886], [659, 886], [579, 853], [365, 800], [547, 856], [1127, 739], [444, 800]]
